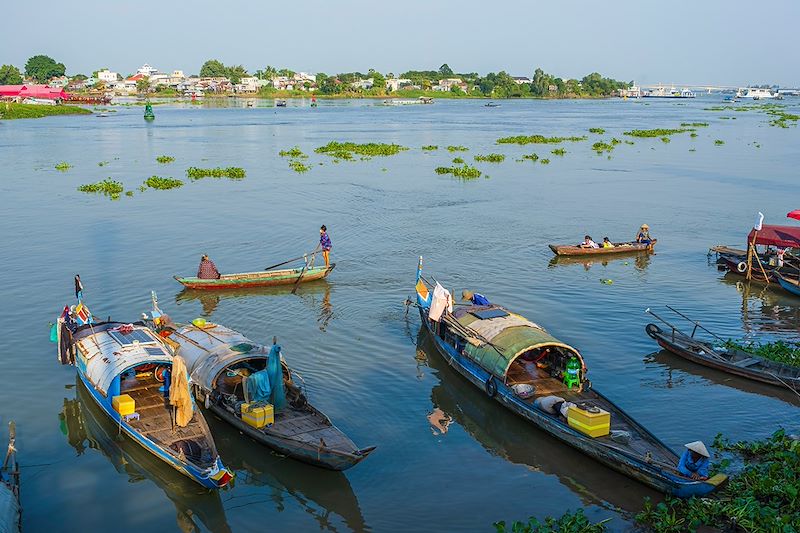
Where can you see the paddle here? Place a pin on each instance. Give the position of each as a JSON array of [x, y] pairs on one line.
[[302, 273], [290, 261]]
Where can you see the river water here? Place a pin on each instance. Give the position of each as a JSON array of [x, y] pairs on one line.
[[363, 358]]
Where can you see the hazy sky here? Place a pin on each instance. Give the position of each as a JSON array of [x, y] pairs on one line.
[[728, 42]]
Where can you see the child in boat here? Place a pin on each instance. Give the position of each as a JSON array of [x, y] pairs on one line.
[[588, 243], [607, 243], [695, 461], [207, 269], [325, 244]]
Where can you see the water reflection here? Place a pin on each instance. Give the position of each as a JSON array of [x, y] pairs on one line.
[[640, 261], [315, 294], [504, 434], [320, 493], [86, 427], [673, 370], [765, 308]]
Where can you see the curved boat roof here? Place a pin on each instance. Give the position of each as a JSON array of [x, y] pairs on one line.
[[212, 348], [501, 336], [109, 352]]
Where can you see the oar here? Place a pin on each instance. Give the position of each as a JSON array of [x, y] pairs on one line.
[[696, 324], [302, 273], [289, 261]]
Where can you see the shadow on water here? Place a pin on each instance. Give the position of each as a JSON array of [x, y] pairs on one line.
[[640, 260], [667, 363], [506, 435], [87, 427], [765, 308], [319, 492]]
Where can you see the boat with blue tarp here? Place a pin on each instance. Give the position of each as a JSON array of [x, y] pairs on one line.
[[138, 382], [542, 379]]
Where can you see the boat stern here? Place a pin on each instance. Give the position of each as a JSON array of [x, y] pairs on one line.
[[217, 476]]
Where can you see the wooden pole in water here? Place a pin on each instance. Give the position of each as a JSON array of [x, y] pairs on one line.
[[750, 246]]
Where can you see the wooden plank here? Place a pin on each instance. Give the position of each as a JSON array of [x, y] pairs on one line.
[[744, 363]]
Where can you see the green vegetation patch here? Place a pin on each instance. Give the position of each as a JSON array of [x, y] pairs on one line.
[[491, 158], [453, 148], [162, 184], [762, 496], [298, 166], [338, 150], [164, 159], [107, 187], [63, 166], [783, 352], [234, 173], [658, 132], [569, 522], [602, 146], [295, 153], [430, 147], [537, 139], [9, 111], [558, 151], [665, 140], [464, 172], [719, 142], [598, 131], [458, 161], [545, 161], [531, 157], [694, 124]]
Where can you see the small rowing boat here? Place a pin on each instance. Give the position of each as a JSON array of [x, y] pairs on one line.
[[619, 248], [789, 285], [265, 278], [531, 373], [721, 357], [229, 372], [133, 376]]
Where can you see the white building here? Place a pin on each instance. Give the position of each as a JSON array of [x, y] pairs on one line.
[[147, 70], [521, 80], [363, 84], [448, 83], [394, 84], [106, 76], [249, 84]]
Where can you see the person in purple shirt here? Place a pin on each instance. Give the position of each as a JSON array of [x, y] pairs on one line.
[[325, 244]]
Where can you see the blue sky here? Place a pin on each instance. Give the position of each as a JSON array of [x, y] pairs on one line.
[[671, 41]]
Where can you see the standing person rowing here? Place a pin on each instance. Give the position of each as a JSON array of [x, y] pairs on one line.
[[325, 245]]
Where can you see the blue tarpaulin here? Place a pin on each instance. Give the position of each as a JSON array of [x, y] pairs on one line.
[[278, 397], [258, 387]]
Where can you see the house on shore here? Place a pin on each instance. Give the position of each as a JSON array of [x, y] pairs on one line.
[[21, 93]]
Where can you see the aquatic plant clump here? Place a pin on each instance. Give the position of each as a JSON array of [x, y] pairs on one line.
[[719, 142], [538, 139], [558, 151], [366, 150], [458, 161], [491, 158], [162, 184], [63, 166], [464, 172], [531, 157], [430, 147], [234, 173], [453, 148], [598, 131], [295, 153], [658, 132], [783, 352], [164, 159], [545, 161], [107, 187], [602, 146], [569, 522], [694, 124], [298, 166]]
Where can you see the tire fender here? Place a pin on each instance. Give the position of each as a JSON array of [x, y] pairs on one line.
[[491, 387]]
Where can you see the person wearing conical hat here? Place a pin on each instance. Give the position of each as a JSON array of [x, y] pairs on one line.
[[474, 298], [695, 461]]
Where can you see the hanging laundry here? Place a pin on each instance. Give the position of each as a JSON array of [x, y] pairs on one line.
[[442, 301]]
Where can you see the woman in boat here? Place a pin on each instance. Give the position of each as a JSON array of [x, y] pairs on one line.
[[643, 236], [207, 269], [588, 242], [695, 461], [325, 244], [474, 298]]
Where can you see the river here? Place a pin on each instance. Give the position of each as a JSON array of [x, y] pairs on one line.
[[362, 357]]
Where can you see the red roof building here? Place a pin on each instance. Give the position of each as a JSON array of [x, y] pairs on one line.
[[33, 91]]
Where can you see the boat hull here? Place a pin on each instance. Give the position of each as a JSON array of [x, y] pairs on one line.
[[248, 280], [788, 285], [619, 248], [645, 473]]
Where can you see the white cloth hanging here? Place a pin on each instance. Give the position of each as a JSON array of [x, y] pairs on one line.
[[441, 301]]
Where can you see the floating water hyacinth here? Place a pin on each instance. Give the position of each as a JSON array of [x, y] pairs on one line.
[[107, 187], [598, 131], [164, 159], [454, 148], [430, 147], [63, 166], [458, 161], [298, 166], [295, 153], [719, 142], [538, 139], [491, 158], [465, 172], [234, 173], [163, 184], [346, 150], [659, 132], [558, 151]]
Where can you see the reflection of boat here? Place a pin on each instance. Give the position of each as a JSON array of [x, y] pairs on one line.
[[224, 365], [619, 248], [320, 493], [85, 425], [10, 511], [519, 364], [765, 308], [730, 360], [640, 261], [129, 365], [508, 436], [266, 278]]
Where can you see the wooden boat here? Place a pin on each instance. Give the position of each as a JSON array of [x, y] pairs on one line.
[[501, 352], [280, 103], [721, 357], [789, 285], [220, 361], [764, 261], [10, 510], [619, 248], [266, 278], [116, 359]]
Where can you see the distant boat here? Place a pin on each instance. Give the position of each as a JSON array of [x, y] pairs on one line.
[[492, 104], [280, 103], [756, 93], [663, 92], [249, 103], [619, 248]]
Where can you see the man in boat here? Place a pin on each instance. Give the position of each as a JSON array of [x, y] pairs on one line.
[[207, 269], [588, 242], [474, 298], [644, 235], [607, 243], [325, 245], [695, 461]]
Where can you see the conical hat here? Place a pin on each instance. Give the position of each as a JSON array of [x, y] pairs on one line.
[[698, 447]]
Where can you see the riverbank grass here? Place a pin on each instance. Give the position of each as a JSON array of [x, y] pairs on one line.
[[11, 111]]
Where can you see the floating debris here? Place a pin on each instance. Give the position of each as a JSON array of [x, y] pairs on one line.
[[694, 124], [719, 142]]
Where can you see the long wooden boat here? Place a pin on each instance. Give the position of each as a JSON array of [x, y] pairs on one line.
[[265, 278], [732, 361], [114, 359], [789, 285], [220, 361], [10, 509], [619, 248], [499, 351]]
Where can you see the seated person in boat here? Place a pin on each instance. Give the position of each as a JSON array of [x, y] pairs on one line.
[[588, 243], [644, 235], [474, 298], [607, 243], [695, 461], [207, 269]]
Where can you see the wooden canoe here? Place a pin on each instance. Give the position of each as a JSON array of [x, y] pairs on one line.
[[619, 248], [732, 361], [266, 278], [790, 285]]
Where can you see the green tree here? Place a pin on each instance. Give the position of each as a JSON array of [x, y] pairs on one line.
[[213, 69], [142, 85], [286, 72], [10, 75], [378, 79], [445, 70], [41, 68], [80, 77], [236, 73]]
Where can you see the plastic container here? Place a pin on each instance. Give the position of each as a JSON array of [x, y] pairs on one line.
[[258, 416], [589, 420], [123, 404]]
